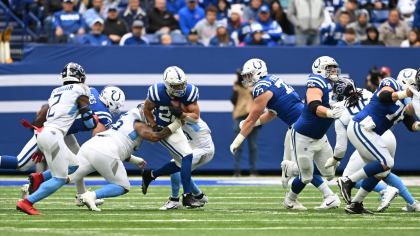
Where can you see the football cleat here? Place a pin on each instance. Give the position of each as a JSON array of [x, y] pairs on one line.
[[293, 204], [27, 207], [35, 180], [79, 203], [146, 180], [188, 200], [329, 202], [388, 194], [287, 172], [356, 208], [172, 204], [89, 198], [202, 198], [345, 185], [414, 207], [25, 192]]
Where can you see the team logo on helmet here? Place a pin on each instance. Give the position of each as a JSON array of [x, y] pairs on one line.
[[112, 96], [319, 63], [253, 63], [340, 89], [408, 75]]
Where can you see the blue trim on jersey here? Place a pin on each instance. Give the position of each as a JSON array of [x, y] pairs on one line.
[[73, 110], [27, 158], [294, 148], [133, 135], [368, 142], [169, 147], [195, 127]]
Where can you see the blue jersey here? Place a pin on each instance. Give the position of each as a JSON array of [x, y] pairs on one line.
[[309, 124], [98, 109], [385, 115], [285, 101], [161, 99]]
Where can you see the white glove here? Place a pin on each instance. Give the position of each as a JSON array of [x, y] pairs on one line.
[[236, 143], [336, 111], [137, 161], [331, 162], [257, 123]]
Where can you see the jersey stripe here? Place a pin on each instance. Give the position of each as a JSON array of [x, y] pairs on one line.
[[317, 83], [195, 96], [156, 92], [320, 80], [151, 93], [192, 92], [169, 147], [103, 113], [105, 117], [179, 77]]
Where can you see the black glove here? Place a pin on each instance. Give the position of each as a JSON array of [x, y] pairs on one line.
[[157, 128], [176, 110]]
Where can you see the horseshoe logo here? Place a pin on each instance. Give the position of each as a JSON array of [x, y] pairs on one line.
[[406, 75], [319, 63], [112, 96], [253, 63]]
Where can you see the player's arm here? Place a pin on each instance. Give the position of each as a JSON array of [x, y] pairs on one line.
[[137, 161], [314, 101], [266, 118], [388, 95], [99, 128], [148, 108], [88, 120], [147, 133], [193, 113], [41, 116]]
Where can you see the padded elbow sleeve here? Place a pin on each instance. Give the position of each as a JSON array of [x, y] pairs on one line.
[[408, 122], [88, 121], [314, 105], [385, 97]]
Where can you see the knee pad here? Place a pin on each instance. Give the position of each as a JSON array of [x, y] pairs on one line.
[[304, 163], [72, 169], [384, 174]]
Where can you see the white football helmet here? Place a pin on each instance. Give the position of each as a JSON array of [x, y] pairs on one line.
[[320, 67], [406, 78], [113, 98], [253, 71], [175, 76]]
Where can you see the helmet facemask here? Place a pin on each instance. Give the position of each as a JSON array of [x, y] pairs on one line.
[[332, 73], [249, 79], [115, 109], [174, 92]]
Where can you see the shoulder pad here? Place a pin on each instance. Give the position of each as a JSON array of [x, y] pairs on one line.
[[316, 82], [391, 83], [260, 88]]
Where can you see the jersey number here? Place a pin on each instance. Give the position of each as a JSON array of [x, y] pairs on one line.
[[400, 113], [280, 82], [119, 124], [166, 117], [58, 100], [188, 136]]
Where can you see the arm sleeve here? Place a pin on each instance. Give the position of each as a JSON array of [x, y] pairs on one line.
[[341, 144]]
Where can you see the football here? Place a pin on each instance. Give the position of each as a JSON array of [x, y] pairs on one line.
[[176, 103]]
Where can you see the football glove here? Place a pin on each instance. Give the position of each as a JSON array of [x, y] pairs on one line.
[[257, 123], [176, 110], [331, 162], [157, 128], [336, 111], [37, 156], [236, 143]]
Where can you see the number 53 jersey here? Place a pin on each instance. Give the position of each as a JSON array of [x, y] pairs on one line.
[[161, 99], [63, 106]]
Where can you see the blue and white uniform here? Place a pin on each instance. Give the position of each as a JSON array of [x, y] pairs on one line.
[[308, 134], [177, 143]]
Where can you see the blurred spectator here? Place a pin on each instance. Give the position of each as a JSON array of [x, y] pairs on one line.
[[332, 6], [115, 28], [251, 11], [193, 38], [271, 29], [206, 28], [335, 31], [34, 6], [350, 7], [134, 12], [50, 7], [147, 5], [277, 14], [413, 39], [393, 31], [407, 8], [166, 40], [108, 3], [385, 72], [416, 22], [222, 10], [256, 39], [243, 101], [349, 38], [96, 37], [190, 15], [161, 20], [97, 11], [361, 24], [67, 21], [175, 5], [234, 22], [374, 78], [307, 17], [372, 37], [222, 38], [135, 36]]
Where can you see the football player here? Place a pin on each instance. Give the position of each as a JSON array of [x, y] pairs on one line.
[[283, 102], [386, 108], [355, 100], [106, 151], [65, 104], [159, 97]]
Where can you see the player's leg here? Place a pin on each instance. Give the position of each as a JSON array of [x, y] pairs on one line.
[[253, 151], [238, 154], [24, 160], [288, 165]]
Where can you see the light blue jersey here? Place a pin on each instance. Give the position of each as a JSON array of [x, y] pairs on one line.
[[158, 95], [385, 115], [285, 101], [309, 124]]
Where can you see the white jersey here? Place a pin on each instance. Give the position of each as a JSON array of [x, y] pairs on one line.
[[123, 139], [63, 106], [198, 135]]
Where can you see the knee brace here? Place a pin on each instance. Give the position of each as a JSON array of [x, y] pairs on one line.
[[72, 169]]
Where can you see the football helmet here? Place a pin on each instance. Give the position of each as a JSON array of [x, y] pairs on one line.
[[320, 67], [175, 76], [113, 98], [73, 72], [406, 78], [343, 88], [253, 71]]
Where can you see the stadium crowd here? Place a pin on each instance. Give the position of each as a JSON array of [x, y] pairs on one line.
[[229, 23]]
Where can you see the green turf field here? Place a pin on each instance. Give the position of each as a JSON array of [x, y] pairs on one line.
[[233, 210]]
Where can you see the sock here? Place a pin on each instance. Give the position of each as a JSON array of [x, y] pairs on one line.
[[175, 184], [367, 186], [317, 180], [110, 190], [194, 188], [325, 190], [360, 195], [395, 181], [80, 186], [46, 189], [297, 185], [292, 195], [8, 162], [186, 173], [316, 171], [47, 175], [368, 170], [359, 175], [378, 188], [167, 169]]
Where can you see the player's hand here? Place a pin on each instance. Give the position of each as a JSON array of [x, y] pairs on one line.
[[37, 156], [157, 128], [59, 31], [331, 162], [409, 92], [236, 143], [337, 111], [233, 148], [176, 110], [142, 165], [414, 91]]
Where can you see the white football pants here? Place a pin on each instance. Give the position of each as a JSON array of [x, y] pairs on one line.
[[201, 155], [177, 144]]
